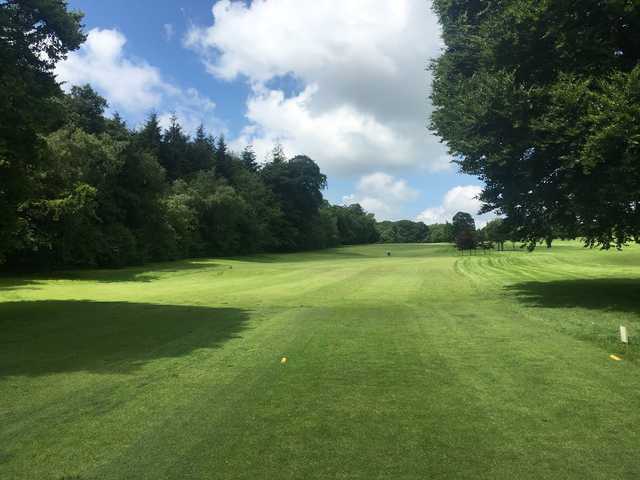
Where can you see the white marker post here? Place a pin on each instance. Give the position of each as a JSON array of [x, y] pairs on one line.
[[624, 338]]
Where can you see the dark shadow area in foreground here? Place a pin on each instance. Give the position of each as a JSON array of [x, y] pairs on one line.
[[607, 294], [42, 337]]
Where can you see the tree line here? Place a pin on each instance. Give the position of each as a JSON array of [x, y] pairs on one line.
[[107, 195], [79, 188], [461, 231], [407, 231]]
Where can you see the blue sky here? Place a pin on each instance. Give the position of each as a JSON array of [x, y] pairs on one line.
[[341, 81]]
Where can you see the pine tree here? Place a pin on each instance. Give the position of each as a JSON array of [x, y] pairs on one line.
[[224, 167], [174, 149], [249, 159], [150, 137]]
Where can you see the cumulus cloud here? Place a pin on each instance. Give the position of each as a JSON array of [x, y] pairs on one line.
[[362, 104], [342, 138], [458, 199], [128, 85], [382, 195], [131, 86]]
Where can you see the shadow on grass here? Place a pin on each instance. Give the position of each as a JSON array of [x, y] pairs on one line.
[[42, 337], [147, 273], [607, 294]]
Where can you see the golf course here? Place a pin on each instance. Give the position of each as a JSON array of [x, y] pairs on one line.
[[341, 363]]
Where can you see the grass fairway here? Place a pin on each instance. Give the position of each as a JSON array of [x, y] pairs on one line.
[[420, 365]]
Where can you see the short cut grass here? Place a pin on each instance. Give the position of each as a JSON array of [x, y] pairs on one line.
[[424, 364]]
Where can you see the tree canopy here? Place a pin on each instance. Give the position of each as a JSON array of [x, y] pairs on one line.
[[440, 233], [34, 35], [541, 100], [463, 228]]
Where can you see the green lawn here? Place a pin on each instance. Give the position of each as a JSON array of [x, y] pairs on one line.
[[420, 365]]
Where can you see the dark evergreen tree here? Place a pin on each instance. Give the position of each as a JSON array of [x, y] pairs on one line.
[[223, 161], [249, 159], [150, 136], [117, 127], [173, 150], [201, 152]]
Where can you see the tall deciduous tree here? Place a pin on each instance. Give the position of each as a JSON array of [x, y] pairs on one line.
[[298, 185], [440, 233], [541, 100], [86, 109], [496, 231], [34, 35], [464, 229]]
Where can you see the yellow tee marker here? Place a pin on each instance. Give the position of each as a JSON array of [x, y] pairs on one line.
[[615, 357], [283, 360]]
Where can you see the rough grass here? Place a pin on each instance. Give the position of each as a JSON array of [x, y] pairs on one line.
[[424, 364]]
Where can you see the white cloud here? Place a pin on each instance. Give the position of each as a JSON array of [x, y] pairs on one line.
[[342, 138], [381, 194], [363, 103], [131, 86], [128, 85], [169, 31], [458, 199]]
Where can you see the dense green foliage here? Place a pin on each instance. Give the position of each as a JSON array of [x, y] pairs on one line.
[[440, 233], [406, 231], [109, 196], [541, 100], [354, 225], [425, 364], [403, 231], [80, 189], [34, 35]]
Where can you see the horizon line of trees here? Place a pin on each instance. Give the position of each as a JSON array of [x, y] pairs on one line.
[[407, 231], [461, 232]]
